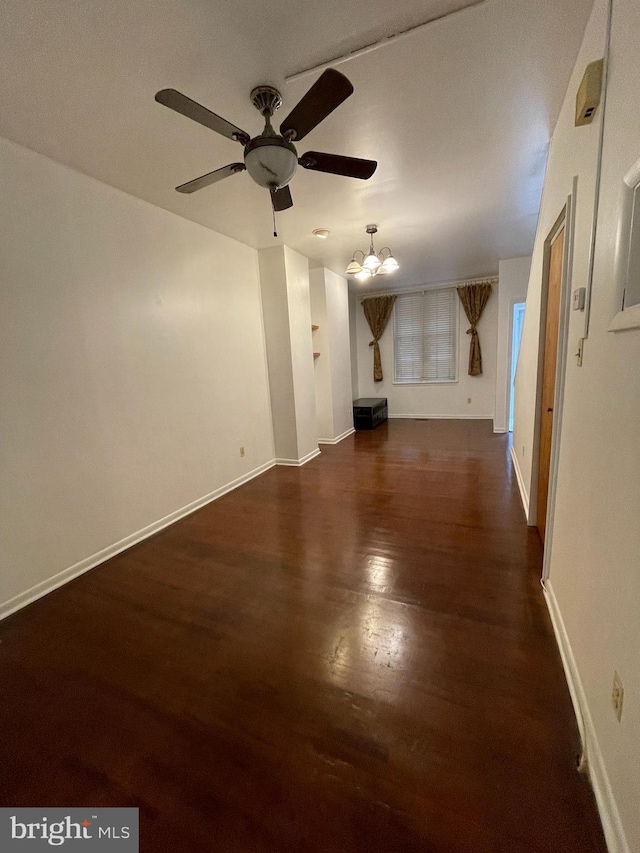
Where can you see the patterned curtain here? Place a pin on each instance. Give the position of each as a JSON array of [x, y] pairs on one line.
[[474, 297], [377, 310]]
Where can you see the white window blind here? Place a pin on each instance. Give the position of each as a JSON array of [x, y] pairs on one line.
[[425, 332]]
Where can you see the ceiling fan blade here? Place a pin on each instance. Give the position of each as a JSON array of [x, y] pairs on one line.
[[181, 104], [211, 178], [281, 199], [327, 93], [350, 167]]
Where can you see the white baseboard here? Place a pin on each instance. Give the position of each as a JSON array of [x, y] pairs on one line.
[[523, 492], [44, 587], [338, 439], [609, 815], [444, 417], [296, 463]]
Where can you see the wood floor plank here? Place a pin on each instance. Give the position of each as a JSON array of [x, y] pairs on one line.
[[354, 655]]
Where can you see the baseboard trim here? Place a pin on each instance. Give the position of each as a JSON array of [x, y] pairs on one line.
[[338, 439], [443, 417], [297, 463], [611, 824], [50, 584], [523, 492]]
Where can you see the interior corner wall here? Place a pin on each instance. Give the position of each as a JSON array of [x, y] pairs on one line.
[[434, 400], [322, 364], [337, 290], [284, 283], [275, 308], [593, 587], [514, 280], [297, 268], [353, 344], [133, 368]]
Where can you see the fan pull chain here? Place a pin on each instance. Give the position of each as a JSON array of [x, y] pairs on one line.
[[275, 230]]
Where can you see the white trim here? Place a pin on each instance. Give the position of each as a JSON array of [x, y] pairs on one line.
[[44, 587], [423, 381], [421, 417], [500, 431], [561, 374], [296, 463], [627, 319], [338, 439], [390, 39], [520, 480], [609, 815], [632, 177]]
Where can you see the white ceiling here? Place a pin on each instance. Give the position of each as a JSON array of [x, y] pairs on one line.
[[458, 114]]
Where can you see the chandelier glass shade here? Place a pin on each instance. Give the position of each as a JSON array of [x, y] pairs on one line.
[[372, 263]]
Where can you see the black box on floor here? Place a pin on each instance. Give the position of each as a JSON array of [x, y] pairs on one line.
[[368, 412]]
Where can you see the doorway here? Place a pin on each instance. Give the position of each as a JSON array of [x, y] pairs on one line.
[[517, 321], [550, 325]]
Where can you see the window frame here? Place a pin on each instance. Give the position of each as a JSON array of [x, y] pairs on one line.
[[628, 235], [457, 307]]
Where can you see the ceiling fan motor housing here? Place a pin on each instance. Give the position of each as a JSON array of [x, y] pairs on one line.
[[271, 161]]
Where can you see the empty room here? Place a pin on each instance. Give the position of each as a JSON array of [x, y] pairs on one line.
[[319, 446]]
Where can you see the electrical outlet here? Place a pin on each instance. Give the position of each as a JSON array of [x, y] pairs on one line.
[[617, 695], [242, 451]]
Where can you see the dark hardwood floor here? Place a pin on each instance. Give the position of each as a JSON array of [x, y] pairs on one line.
[[350, 656]]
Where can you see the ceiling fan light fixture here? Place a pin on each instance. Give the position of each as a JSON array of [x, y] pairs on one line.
[[270, 163]]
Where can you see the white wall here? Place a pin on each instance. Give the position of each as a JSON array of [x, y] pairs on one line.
[[594, 584], [354, 308], [275, 306], [321, 364], [444, 400], [337, 290], [302, 351], [284, 278], [133, 367], [330, 311], [514, 280]]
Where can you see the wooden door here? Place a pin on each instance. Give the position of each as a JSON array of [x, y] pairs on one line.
[[550, 356]]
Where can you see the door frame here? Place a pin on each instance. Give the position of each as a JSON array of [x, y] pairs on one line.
[[566, 219], [515, 300]]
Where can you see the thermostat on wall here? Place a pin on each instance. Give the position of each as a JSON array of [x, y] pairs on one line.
[[578, 298]]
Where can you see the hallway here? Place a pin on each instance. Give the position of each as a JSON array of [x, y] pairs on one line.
[[353, 655]]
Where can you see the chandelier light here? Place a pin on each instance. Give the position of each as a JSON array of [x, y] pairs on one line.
[[373, 263]]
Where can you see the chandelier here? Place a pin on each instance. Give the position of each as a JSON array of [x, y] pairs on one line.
[[375, 263]]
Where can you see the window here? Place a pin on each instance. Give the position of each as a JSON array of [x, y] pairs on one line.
[[425, 336]]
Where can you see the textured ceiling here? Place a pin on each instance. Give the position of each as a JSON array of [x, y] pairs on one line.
[[459, 114]]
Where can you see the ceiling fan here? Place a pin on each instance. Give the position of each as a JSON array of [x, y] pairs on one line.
[[271, 158]]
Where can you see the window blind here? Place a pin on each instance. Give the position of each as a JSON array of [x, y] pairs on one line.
[[425, 336]]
